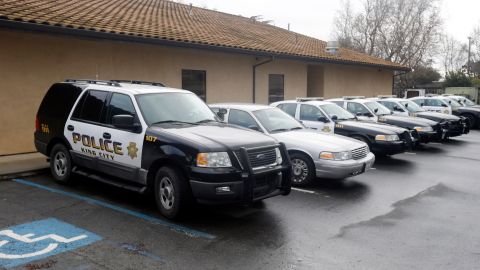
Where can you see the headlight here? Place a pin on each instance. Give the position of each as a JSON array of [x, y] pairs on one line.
[[336, 155], [279, 156], [214, 159], [423, 129], [387, 138]]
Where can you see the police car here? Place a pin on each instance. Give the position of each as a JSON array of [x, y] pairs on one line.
[[433, 103], [370, 110], [451, 125], [140, 135], [462, 106], [383, 139]]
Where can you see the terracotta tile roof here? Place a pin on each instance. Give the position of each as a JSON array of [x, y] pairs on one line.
[[177, 23]]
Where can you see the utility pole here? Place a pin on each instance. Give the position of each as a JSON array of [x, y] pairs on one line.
[[469, 54]]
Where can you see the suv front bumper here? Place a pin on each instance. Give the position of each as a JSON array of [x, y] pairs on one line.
[[344, 168]]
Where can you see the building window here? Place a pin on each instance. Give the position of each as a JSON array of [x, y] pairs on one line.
[[275, 88], [195, 81]]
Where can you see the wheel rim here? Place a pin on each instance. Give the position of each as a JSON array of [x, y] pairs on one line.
[[167, 197], [300, 170], [60, 164]]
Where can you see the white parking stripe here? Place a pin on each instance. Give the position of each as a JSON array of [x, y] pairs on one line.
[[410, 153], [304, 190]]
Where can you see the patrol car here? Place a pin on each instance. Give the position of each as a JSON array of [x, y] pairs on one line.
[[451, 125], [140, 135], [369, 110], [313, 154], [433, 103], [382, 139], [462, 106]]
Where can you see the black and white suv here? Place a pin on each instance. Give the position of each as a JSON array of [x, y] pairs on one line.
[[139, 135]]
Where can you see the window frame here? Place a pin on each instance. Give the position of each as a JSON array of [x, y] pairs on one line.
[[82, 100], [204, 84], [270, 76]]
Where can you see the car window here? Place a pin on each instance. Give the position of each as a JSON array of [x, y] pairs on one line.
[[241, 118], [335, 110], [92, 106], [377, 108], [289, 108], [433, 102], [411, 106], [338, 102], [419, 101], [357, 108], [452, 102], [120, 104], [390, 105], [276, 120], [217, 112], [310, 113]]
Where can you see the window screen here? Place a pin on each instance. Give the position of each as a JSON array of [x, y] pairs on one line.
[[195, 81], [275, 88]]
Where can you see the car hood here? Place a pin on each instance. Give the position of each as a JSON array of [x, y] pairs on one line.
[[372, 127], [469, 109], [214, 136], [435, 116], [407, 121], [316, 141]]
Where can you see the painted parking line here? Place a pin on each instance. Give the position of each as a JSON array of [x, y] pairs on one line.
[[175, 227], [410, 153], [304, 190], [40, 239]]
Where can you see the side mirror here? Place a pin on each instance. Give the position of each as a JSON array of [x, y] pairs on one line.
[[221, 113], [421, 104], [359, 114], [323, 119], [334, 117], [125, 121], [376, 110], [253, 127]]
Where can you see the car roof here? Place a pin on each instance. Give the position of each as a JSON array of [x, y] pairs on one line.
[[242, 106], [130, 88], [311, 102]]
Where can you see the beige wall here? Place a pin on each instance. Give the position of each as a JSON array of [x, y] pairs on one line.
[[343, 80], [30, 63], [315, 83]]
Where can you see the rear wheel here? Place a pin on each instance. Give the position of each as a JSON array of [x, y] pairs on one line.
[[303, 169], [172, 194], [61, 164], [471, 120]]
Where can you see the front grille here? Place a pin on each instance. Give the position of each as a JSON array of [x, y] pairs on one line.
[[258, 158], [360, 153]]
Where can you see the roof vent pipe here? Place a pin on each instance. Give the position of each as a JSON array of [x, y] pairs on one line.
[[332, 47]]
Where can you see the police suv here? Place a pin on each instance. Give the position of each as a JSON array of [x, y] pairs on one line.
[[140, 135]]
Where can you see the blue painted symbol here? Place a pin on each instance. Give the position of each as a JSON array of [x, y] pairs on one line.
[[40, 239]]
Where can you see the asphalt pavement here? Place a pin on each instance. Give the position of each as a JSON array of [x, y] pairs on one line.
[[416, 210]]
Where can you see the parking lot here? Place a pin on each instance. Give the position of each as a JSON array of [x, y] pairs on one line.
[[416, 210]]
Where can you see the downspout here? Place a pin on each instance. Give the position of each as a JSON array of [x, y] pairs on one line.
[[399, 74], [254, 75]]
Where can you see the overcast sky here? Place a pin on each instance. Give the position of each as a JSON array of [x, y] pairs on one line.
[[315, 17]]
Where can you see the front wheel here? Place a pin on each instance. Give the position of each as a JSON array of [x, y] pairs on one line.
[[172, 194], [303, 169], [61, 164], [470, 120]]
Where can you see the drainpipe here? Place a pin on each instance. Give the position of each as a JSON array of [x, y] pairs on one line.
[[399, 74], [254, 75]]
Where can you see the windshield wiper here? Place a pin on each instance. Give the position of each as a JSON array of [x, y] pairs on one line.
[[173, 121], [205, 121], [279, 130], [295, 128]]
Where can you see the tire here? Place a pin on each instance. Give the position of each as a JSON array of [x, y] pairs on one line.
[[303, 169], [61, 164], [471, 120], [172, 193]]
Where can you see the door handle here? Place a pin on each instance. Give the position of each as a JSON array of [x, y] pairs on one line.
[[107, 135], [70, 128]]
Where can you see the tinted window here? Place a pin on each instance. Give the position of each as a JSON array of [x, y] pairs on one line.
[[275, 88], [241, 118], [310, 113], [357, 108], [120, 104], [93, 106], [390, 105], [195, 81], [433, 102], [289, 108]]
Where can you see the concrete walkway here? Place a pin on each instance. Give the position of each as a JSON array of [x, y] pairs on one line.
[[12, 166]]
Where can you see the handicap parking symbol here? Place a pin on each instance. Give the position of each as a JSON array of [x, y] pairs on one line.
[[40, 239]]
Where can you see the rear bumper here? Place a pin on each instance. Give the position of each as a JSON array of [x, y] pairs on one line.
[[41, 146], [343, 169]]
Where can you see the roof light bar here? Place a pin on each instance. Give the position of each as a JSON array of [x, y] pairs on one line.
[[387, 96], [353, 97], [303, 99]]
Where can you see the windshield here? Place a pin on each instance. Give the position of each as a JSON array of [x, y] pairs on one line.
[[453, 102], [334, 109], [467, 102], [276, 120], [174, 107], [411, 106], [378, 108]]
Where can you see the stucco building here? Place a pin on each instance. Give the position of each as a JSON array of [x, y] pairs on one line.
[[219, 56]]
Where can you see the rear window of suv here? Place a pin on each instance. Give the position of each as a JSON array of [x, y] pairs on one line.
[[90, 106]]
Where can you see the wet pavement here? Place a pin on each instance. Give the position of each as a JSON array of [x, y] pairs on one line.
[[416, 210]]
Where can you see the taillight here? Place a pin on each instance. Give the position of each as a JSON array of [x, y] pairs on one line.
[[37, 124]]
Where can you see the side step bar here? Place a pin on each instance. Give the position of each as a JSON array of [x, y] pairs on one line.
[[109, 181]]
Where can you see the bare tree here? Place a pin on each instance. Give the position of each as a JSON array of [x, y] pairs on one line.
[[453, 54], [404, 32]]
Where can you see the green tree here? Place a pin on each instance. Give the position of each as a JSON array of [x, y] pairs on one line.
[[420, 75], [457, 79]]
